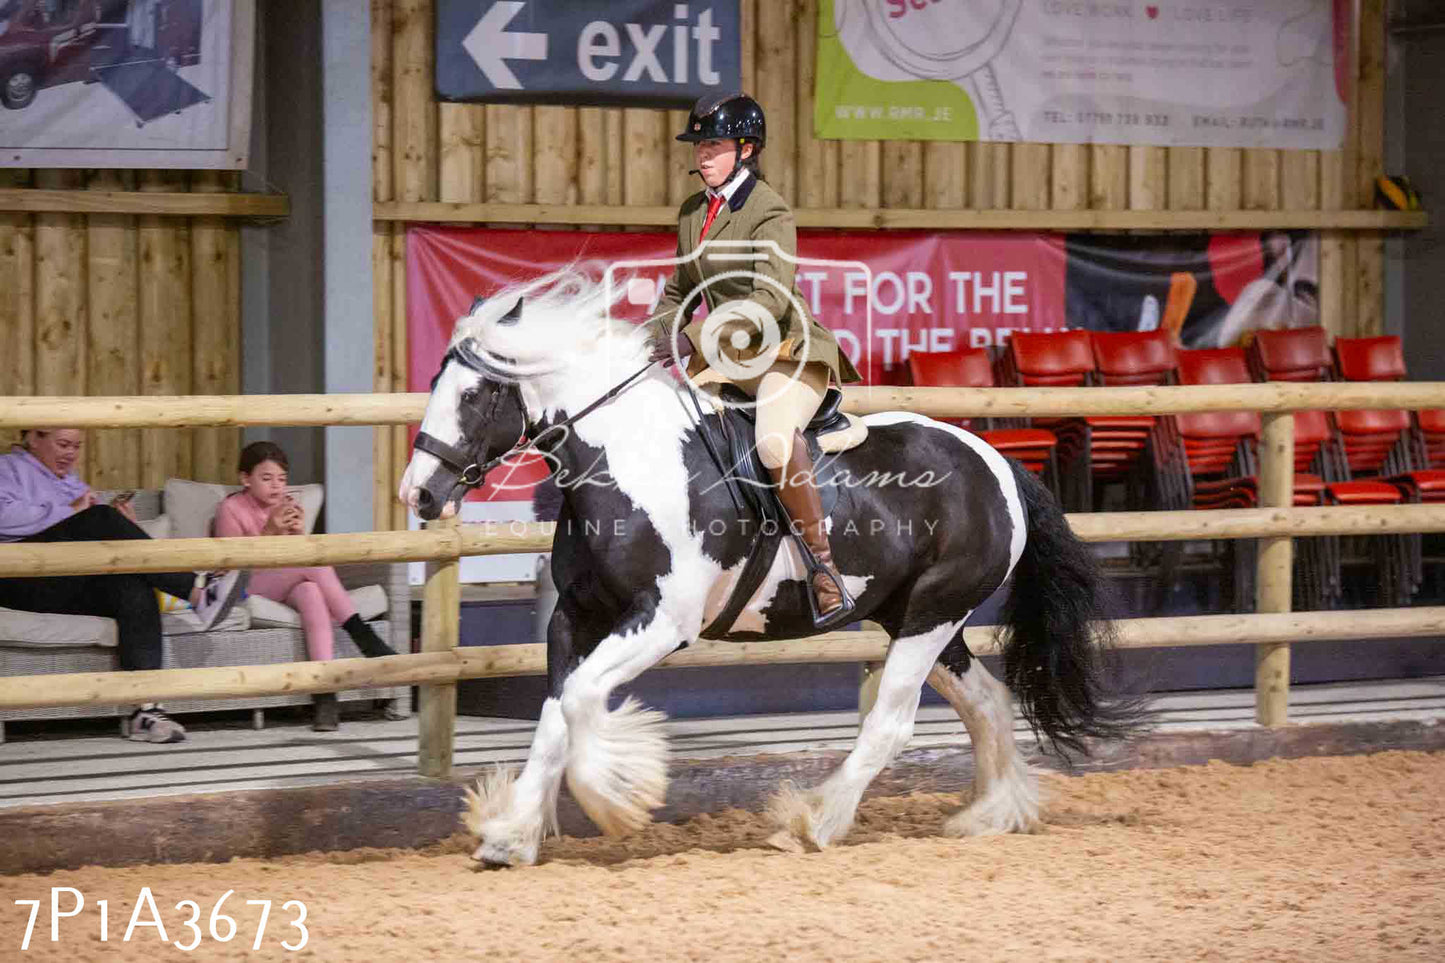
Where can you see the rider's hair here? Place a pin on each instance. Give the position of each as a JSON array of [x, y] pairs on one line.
[[259, 451], [753, 162]]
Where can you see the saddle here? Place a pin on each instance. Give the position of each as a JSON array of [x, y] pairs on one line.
[[752, 484]]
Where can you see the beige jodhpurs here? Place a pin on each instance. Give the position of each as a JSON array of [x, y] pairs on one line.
[[787, 400]]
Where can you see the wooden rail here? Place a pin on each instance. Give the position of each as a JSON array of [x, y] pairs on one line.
[[167, 411], [218, 204], [664, 216], [449, 666], [18, 559]]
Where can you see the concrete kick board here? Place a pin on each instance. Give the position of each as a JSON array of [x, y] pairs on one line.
[[239, 760], [413, 812]]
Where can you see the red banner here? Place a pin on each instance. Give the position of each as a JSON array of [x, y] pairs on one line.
[[885, 295]]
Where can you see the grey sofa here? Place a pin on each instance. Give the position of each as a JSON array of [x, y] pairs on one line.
[[39, 645]]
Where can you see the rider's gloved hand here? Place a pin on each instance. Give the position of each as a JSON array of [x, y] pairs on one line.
[[662, 351]]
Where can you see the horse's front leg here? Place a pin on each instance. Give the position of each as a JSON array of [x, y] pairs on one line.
[[512, 814], [617, 760]]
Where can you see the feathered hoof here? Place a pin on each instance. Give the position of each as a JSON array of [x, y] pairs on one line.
[[505, 839], [617, 769], [805, 820], [502, 853], [993, 815]]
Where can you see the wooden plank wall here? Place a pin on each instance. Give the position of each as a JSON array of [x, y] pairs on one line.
[[426, 151], [116, 304]]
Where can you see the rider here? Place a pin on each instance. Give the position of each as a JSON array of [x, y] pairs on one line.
[[728, 133]]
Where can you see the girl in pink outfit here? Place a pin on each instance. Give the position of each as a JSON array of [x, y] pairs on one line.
[[263, 507]]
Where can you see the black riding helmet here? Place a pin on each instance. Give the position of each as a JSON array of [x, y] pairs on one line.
[[729, 115]]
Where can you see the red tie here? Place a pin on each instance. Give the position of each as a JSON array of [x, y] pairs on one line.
[[713, 205]]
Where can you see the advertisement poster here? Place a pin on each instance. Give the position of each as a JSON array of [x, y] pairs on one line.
[[916, 292], [1214, 73], [126, 83]]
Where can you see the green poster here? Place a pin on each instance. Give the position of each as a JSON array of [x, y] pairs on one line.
[[850, 105]]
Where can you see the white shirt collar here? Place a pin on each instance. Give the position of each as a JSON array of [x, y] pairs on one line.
[[730, 188]]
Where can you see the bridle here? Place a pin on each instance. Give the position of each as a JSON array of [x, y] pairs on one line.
[[469, 473]]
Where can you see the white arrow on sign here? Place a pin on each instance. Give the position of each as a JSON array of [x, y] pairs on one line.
[[489, 44]]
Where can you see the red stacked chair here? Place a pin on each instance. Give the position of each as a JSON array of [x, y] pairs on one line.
[[1144, 358], [1430, 449], [971, 368], [1354, 444], [1376, 441], [1303, 355], [1104, 449], [1389, 445], [1221, 453], [1220, 445]]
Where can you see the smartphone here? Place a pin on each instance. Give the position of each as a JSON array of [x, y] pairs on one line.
[[123, 497]]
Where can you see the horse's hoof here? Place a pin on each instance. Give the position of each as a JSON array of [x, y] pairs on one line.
[[498, 856], [787, 842]]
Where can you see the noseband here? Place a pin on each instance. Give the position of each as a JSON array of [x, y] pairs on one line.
[[469, 473]]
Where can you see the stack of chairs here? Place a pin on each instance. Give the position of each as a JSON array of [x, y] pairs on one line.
[[1221, 452], [1391, 446], [1358, 443], [1091, 450], [1429, 450], [972, 368], [1415, 459]]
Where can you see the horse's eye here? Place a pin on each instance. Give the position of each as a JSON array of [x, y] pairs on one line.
[[470, 396]]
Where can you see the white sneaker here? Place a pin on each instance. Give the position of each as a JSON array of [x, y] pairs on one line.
[[220, 591], [149, 723]]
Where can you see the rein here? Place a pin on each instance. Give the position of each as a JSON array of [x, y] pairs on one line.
[[461, 463]]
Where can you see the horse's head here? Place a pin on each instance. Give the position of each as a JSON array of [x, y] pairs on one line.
[[506, 364], [475, 416]]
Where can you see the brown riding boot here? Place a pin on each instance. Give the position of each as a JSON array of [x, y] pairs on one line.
[[805, 510]]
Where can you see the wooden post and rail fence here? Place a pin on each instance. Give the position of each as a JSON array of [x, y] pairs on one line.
[[441, 663]]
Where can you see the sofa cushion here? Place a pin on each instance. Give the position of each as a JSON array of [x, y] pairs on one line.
[[41, 629], [370, 602], [158, 527], [191, 506], [186, 622]]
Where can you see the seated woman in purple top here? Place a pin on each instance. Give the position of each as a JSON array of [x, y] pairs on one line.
[[42, 500]]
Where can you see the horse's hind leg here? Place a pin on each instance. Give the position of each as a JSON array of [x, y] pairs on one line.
[[823, 815], [1005, 790]]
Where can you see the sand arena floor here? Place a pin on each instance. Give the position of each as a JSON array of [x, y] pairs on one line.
[[1313, 859]]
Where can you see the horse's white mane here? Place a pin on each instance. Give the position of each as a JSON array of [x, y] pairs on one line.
[[570, 306]]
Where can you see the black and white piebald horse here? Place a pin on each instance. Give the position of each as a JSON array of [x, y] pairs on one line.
[[928, 522]]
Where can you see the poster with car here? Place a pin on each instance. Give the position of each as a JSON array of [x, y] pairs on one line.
[[1241, 73], [125, 83]]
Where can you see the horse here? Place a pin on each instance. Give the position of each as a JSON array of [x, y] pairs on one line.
[[929, 521]]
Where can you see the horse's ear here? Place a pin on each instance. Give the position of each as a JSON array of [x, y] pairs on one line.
[[513, 315]]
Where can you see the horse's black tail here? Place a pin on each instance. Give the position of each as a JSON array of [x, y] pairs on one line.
[[1057, 637]]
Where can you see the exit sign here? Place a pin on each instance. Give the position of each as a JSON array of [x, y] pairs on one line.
[[640, 53]]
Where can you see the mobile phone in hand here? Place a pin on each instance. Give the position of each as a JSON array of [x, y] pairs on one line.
[[123, 497]]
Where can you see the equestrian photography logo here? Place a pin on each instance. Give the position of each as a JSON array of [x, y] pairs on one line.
[[757, 320]]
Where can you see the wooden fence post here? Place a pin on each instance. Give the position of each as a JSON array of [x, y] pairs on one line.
[[440, 623], [1275, 568]]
